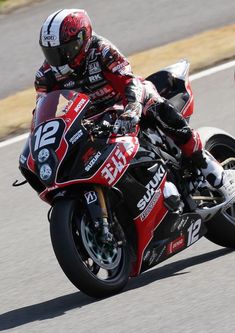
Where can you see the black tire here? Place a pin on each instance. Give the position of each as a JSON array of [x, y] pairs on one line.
[[73, 258], [221, 228]]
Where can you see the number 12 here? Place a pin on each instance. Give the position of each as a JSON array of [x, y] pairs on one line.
[[45, 134], [193, 232]]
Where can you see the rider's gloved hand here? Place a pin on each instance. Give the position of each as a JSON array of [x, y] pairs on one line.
[[130, 117]]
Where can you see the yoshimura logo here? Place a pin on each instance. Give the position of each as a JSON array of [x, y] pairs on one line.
[[151, 186], [115, 167]]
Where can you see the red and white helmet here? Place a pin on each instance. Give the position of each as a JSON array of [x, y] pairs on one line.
[[65, 38]]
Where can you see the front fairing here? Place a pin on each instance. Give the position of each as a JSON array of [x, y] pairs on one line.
[[58, 129], [62, 152]]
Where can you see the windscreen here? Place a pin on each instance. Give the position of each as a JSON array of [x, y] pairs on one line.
[[52, 105]]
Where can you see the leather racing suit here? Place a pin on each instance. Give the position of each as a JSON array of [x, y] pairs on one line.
[[106, 77]]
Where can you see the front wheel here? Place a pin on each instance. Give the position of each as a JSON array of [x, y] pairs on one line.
[[221, 228], [97, 269]]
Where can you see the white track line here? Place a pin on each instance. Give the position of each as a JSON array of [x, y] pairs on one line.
[[13, 140], [212, 70], [193, 77]]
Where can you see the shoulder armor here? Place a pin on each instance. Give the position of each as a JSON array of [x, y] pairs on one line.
[[112, 58]]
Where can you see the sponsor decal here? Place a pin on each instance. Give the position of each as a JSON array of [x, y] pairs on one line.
[[92, 56], [49, 38], [76, 137], [105, 51], [151, 186], [147, 255], [94, 68], [156, 255], [101, 92], [69, 84], [179, 223], [119, 66], [80, 105], [90, 197], [95, 78], [150, 206], [176, 245], [93, 161], [107, 97], [113, 169]]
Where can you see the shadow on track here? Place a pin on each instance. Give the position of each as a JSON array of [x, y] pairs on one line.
[[174, 268], [59, 306], [46, 310]]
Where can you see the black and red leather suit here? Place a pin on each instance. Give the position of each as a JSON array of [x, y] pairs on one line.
[[106, 77]]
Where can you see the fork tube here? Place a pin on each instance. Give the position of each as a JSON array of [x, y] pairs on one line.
[[102, 202], [107, 236]]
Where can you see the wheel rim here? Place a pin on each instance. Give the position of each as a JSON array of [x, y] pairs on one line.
[[223, 151], [107, 256]]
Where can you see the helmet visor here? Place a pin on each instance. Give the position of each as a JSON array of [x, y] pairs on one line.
[[63, 54]]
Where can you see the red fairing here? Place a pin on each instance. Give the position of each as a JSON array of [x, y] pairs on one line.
[[147, 222], [176, 245], [189, 106], [31, 163], [118, 161]]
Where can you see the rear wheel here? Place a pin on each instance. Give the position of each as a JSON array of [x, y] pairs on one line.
[[221, 228], [98, 269]]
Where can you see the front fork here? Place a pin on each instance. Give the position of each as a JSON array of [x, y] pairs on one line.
[[97, 207]]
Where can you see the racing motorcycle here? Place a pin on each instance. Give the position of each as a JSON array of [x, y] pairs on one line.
[[109, 220]]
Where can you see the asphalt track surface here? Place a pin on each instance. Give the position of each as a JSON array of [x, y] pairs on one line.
[[193, 292]]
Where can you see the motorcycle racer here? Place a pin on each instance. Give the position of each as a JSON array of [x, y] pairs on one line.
[[76, 58]]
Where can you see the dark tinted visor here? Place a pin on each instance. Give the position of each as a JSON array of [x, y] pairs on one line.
[[63, 54]]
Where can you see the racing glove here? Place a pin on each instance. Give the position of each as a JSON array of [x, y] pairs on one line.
[[130, 117]]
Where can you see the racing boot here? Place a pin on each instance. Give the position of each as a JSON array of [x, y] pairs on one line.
[[172, 198], [228, 185], [218, 178]]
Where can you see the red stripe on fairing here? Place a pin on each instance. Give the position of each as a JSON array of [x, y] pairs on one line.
[[187, 110], [31, 163], [146, 228]]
